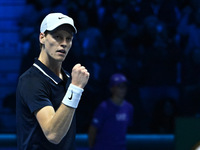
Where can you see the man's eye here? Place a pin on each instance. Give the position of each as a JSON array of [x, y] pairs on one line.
[[57, 37]]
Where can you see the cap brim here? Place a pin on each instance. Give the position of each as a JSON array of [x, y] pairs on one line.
[[59, 24]]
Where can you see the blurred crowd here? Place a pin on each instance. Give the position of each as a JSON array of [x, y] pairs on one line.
[[155, 43]]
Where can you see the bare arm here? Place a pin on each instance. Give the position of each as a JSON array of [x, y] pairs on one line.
[[55, 125], [92, 135]]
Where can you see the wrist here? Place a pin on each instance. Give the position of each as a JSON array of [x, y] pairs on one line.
[[72, 96]]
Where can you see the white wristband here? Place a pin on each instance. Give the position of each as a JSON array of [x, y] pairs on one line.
[[73, 96]]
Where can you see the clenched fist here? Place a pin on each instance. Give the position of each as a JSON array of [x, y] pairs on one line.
[[80, 76]]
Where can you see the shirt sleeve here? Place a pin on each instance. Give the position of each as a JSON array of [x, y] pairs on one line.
[[35, 94]]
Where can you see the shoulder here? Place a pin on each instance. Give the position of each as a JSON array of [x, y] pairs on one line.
[[31, 75], [102, 107], [104, 104], [32, 79]]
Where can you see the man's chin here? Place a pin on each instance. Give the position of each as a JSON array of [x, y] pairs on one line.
[[60, 59]]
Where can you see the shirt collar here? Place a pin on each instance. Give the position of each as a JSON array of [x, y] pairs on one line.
[[47, 72]]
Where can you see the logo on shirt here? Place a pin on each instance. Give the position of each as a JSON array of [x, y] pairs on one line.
[[70, 98], [121, 117]]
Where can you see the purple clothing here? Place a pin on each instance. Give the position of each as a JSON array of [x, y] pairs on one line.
[[111, 122]]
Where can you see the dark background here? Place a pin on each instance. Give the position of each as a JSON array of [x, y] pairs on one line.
[[155, 43]]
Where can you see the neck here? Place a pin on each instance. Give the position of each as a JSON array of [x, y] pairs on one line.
[[117, 100], [53, 65]]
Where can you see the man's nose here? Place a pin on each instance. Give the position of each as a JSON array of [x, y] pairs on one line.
[[64, 43]]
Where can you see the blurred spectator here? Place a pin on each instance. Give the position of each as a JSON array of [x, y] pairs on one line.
[[122, 25], [191, 67], [157, 53], [165, 10], [116, 60], [74, 6], [195, 4], [118, 54], [164, 115], [133, 10], [41, 5], [112, 118], [188, 28], [191, 83], [125, 29]]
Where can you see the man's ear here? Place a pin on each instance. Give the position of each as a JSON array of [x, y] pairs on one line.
[[41, 38]]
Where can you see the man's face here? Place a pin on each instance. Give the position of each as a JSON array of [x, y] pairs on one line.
[[57, 43]]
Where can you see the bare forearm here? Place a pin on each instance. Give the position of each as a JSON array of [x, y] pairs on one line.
[[58, 123], [61, 121]]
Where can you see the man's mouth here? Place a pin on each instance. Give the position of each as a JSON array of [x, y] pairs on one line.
[[61, 51]]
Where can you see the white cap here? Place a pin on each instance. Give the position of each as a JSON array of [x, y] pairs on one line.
[[54, 20]]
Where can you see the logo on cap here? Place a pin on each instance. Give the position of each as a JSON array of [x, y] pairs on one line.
[[60, 17]]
